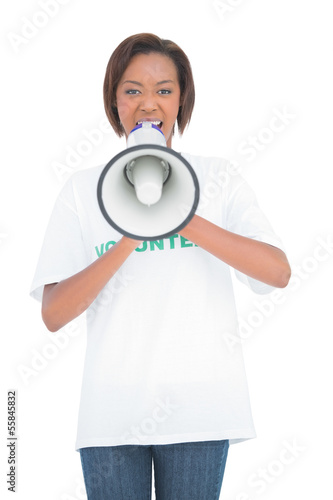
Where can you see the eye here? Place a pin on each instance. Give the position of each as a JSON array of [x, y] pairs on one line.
[[164, 91], [132, 91]]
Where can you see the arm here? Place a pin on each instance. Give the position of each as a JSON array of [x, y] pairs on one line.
[[64, 301], [258, 260]]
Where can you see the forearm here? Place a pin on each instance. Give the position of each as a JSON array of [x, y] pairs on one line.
[[258, 260], [66, 300]]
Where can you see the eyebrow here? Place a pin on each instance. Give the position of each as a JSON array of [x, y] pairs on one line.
[[140, 84]]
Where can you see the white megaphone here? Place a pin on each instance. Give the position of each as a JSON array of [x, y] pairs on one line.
[[148, 191]]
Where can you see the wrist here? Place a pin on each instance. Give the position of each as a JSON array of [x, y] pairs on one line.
[[130, 243]]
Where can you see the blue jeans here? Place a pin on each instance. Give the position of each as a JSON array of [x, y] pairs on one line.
[[184, 471]]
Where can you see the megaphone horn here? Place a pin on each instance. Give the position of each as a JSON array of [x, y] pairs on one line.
[[148, 191]]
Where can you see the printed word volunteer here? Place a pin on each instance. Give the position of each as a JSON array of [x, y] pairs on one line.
[[167, 243]]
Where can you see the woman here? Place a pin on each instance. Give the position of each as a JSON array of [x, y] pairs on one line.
[[162, 381]]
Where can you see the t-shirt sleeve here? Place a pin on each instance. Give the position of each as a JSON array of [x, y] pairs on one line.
[[63, 253], [245, 217]]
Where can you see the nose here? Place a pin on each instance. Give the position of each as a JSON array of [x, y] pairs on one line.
[[148, 102]]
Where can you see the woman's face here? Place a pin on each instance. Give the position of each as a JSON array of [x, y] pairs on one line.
[[149, 91]]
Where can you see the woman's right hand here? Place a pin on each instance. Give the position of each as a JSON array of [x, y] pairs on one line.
[[64, 301]]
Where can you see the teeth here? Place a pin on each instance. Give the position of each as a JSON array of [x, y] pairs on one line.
[[157, 123]]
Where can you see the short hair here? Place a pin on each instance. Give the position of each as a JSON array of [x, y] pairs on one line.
[[146, 43]]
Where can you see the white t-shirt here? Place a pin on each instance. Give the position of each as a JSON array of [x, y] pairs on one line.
[[158, 368]]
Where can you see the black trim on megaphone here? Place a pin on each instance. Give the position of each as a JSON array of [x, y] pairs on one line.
[[141, 236]]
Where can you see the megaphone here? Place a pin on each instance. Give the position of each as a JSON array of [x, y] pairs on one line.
[[148, 191]]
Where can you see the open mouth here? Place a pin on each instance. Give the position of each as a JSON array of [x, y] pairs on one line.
[[154, 122]]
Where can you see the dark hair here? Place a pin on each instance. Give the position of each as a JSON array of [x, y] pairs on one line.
[[146, 43]]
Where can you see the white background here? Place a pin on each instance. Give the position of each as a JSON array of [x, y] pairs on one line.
[[249, 58]]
